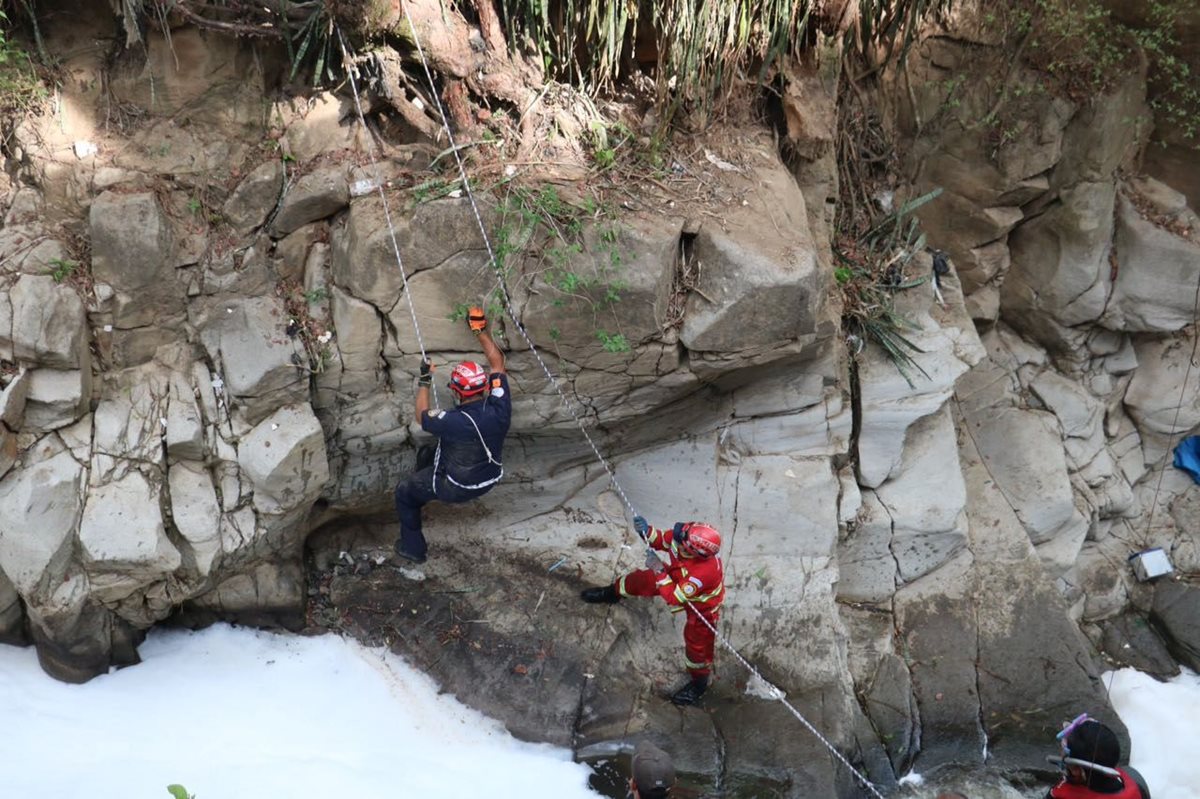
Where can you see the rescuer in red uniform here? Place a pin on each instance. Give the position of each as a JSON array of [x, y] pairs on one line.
[[691, 582], [1091, 752]]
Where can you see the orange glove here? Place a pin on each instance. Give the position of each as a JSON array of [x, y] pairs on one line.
[[476, 320]]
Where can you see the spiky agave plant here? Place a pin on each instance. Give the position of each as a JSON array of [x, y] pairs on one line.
[[870, 271]]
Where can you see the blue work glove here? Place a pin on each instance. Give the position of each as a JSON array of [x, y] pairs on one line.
[[641, 526], [677, 533], [654, 562]]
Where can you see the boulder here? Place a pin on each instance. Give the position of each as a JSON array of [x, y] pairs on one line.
[[255, 197], [12, 400], [1019, 620], [56, 397], [937, 630], [359, 342], [6, 325], [186, 77], [1176, 614], [320, 130], [893, 710], [291, 252], [41, 505], [8, 449], [1153, 396], [926, 499], [1131, 642], [122, 533], [49, 324], [462, 279], [1106, 132], [128, 424], [890, 403], [284, 459], [624, 275], [248, 339], [268, 594], [364, 258], [195, 512], [1024, 455], [984, 305], [1060, 268], [321, 193], [185, 429], [866, 569], [757, 287], [804, 492], [1080, 415], [77, 638], [1156, 278], [12, 615], [132, 252]]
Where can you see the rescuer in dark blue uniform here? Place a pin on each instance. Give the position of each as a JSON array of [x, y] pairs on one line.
[[468, 458]]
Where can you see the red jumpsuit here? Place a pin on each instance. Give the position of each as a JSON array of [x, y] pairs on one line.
[[1066, 790], [688, 580]]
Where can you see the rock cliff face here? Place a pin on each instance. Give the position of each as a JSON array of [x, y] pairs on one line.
[[207, 352]]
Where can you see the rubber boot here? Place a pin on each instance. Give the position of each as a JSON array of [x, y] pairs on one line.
[[690, 694], [603, 594]]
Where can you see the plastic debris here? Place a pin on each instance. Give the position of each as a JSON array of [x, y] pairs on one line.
[[1187, 457], [724, 166]]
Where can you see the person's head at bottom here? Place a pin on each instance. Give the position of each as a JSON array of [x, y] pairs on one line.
[[1093, 742], [653, 775]]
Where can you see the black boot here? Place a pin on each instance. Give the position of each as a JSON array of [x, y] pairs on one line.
[[690, 694], [603, 594], [409, 556]]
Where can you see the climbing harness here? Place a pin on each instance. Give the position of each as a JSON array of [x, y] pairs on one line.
[[437, 456], [466, 185]]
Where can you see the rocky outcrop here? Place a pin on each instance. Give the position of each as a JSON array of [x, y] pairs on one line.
[[235, 365]]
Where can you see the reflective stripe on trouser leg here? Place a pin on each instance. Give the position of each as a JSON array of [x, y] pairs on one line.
[[698, 643]]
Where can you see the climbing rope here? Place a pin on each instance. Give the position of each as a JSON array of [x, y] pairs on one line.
[[1175, 422], [505, 296], [466, 184], [377, 178]]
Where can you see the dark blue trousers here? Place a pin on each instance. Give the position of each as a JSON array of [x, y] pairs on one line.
[[413, 493]]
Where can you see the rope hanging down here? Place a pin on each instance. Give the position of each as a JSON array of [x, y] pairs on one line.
[[487, 243], [1175, 422], [570, 407], [351, 69]]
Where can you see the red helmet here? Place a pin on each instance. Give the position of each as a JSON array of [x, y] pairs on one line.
[[468, 379], [698, 538]]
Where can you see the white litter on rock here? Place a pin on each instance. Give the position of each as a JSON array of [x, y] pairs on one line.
[[760, 688], [85, 149]]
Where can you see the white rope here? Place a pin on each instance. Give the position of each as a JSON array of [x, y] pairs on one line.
[[466, 184], [570, 407], [778, 694], [351, 69]]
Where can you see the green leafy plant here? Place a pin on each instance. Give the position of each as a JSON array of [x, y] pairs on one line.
[[62, 269], [179, 792], [313, 296], [582, 267], [613, 342], [871, 269], [21, 90]]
